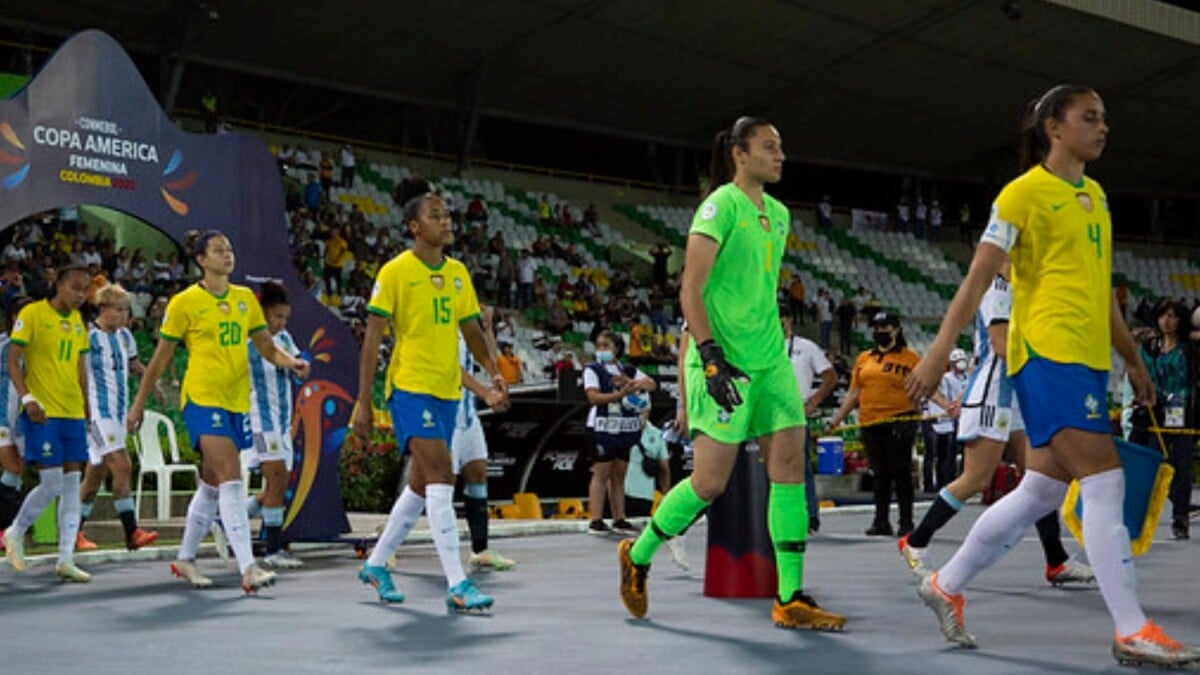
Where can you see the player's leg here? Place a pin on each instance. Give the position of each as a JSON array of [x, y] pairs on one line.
[[275, 479], [616, 493], [12, 468], [93, 477], [602, 461], [221, 455], [121, 470], [475, 503]]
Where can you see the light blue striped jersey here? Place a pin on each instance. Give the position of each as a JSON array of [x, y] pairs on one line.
[[271, 389], [9, 401], [467, 414], [995, 307], [107, 363]]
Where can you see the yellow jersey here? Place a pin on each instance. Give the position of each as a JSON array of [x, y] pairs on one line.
[[425, 305], [215, 330], [1059, 238], [53, 343]]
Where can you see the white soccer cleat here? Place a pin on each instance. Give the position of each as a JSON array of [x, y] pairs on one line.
[[69, 572], [255, 578], [282, 560], [186, 570], [679, 553]]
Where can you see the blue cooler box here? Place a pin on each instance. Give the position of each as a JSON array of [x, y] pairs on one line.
[[830, 455]]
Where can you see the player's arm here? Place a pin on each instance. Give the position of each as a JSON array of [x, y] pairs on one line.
[[985, 265], [163, 355], [998, 335], [828, 384], [644, 383], [484, 351], [1135, 368], [664, 475], [701, 254], [276, 356], [368, 361], [81, 373], [33, 408], [493, 398], [849, 403]]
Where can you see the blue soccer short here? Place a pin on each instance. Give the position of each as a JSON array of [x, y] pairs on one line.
[[1055, 396], [209, 421], [421, 416], [54, 442]]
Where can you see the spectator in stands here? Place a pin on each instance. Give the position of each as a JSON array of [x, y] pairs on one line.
[[796, 300], [302, 159], [526, 270], [565, 218], [964, 225], [545, 213], [557, 321], [886, 415], [312, 192], [824, 212], [903, 215], [335, 248], [506, 278], [510, 364], [349, 164], [591, 219], [935, 219], [541, 293], [616, 393], [326, 172], [847, 318], [824, 316], [12, 285], [661, 252], [15, 251], [286, 158], [922, 218], [476, 211], [1169, 357]]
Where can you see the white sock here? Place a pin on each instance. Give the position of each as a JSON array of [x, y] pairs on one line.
[[999, 528], [404, 515], [443, 524], [68, 518], [50, 485], [202, 510], [1106, 541], [236, 522]]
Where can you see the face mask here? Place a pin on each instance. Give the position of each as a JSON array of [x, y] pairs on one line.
[[882, 338], [604, 356], [960, 366]]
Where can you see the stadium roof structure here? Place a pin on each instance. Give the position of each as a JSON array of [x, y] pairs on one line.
[[934, 87]]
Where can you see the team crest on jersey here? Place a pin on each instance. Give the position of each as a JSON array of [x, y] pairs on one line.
[[65, 326], [765, 222], [223, 306], [708, 211], [1085, 200], [723, 418], [3, 434], [242, 307], [437, 280], [112, 438], [18, 325], [79, 329], [457, 284]]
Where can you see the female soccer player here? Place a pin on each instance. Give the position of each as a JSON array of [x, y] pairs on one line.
[[990, 420], [108, 363], [12, 464], [730, 277], [271, 423], [427, 298], [1053, 223], [45, 364], [215, 320]]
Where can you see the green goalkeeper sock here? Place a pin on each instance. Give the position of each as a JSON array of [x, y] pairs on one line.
[[676, 511], [787, 520]]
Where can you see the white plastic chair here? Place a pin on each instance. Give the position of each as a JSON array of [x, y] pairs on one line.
[[150, 454]]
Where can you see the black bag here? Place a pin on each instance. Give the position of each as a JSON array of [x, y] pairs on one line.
[[650, 466]]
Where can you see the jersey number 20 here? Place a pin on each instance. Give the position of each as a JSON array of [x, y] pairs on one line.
[[231, 333]]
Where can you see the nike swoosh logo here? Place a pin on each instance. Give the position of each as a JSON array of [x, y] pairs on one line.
[[413, 283], [1055, 207]]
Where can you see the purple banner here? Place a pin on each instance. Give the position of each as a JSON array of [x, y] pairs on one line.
[[87, 130]]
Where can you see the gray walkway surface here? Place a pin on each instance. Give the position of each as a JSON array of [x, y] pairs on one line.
[[558, 612]]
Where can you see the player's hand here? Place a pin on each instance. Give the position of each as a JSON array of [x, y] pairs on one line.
[[681, 420], [133, 418], [363, 421], [36, 412], [923, 380], [301, 368], [497, 400], [954, 410], [720, 376], [1143, 386]]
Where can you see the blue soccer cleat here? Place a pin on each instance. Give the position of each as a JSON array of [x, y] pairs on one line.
[[466, 597], [381, 579]]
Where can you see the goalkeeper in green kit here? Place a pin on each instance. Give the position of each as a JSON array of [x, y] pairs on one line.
[[739, 381]]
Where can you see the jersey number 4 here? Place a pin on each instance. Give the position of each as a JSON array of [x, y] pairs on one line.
[[1093, 233], [231, 333]]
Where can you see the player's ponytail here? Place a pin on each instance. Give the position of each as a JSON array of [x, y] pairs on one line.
[[1034, 144], [410, 193], [721, 168]]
